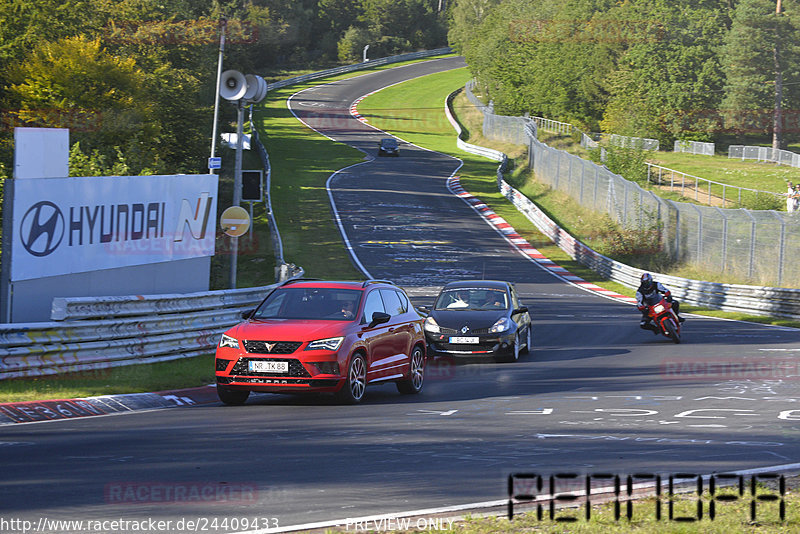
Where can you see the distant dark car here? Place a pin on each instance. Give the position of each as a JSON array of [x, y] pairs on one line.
[[388, 147], [478, 318]]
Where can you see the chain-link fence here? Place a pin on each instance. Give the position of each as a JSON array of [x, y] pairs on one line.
[[764, 153], [759, 247], [694, 147], [625, 141]]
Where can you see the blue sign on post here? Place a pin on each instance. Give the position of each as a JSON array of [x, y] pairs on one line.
[[214, 163]]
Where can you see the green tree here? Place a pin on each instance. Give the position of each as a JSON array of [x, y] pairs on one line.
[[760, 50], [75, 83]]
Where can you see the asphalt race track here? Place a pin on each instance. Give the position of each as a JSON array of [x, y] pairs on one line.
[[597, 395]]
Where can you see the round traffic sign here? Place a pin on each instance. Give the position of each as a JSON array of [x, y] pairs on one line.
[[235, 221]]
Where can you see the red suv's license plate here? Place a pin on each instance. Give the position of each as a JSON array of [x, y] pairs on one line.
[[268, 367]]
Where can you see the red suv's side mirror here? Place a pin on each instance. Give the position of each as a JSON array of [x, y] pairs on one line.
[[379, 318]]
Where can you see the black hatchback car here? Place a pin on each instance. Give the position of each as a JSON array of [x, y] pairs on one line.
[[478, 318], [388, 147]]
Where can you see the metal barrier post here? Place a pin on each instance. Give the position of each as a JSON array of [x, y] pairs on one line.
[[781, 246], [752, 244]]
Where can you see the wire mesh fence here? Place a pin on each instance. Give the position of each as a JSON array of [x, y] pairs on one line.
[[763, 153], [760, 247], [625, 141], [694, 147]]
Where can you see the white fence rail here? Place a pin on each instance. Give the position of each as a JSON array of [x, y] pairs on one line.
[[549, 125], [714, 193], [625, 141], [694, 147], [358, 66], [764, 153], [756, 300]]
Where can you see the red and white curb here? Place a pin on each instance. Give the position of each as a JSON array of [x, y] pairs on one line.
[[58, 410], [354, 107], [525, 248]]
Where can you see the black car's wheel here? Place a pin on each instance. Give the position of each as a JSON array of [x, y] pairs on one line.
[[356, 382], [416, 374], [232, 397], [528, 336], [513, 354]]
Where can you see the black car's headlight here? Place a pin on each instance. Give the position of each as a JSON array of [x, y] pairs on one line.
[[228, 341], [431, 326], [502, 325]]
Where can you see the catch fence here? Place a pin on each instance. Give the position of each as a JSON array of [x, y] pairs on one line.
[[764, 153], [754, 246], [694, 147]]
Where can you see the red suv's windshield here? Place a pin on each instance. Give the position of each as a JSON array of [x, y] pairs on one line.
[[310, 303]]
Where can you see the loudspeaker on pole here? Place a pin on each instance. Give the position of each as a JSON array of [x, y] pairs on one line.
[[233, 85]]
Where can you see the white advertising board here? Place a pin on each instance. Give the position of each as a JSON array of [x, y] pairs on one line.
[[41, 152], [74, 225]]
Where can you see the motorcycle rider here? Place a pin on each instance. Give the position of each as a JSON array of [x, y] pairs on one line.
[[646, 287]]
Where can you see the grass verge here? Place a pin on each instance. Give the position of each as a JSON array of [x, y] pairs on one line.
[[747, 173], [189, 372]]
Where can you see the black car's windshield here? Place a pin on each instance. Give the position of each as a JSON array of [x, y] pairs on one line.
[[389, 143], [310, 303], [472, 298]]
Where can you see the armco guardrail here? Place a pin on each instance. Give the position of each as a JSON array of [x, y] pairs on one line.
[[97, 333], [756, 300], [358, 66]]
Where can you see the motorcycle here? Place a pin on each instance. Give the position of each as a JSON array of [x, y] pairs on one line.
[[664, 319]]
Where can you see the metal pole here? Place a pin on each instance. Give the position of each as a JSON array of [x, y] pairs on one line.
[[781, 247], [237, 187], [216, 93], [7, 239]]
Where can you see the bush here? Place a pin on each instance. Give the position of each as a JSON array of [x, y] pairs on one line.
[[620, 243], [628, 163], [762, 201]]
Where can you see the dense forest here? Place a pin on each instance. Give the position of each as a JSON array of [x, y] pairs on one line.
[[687, 69], [134, 79]]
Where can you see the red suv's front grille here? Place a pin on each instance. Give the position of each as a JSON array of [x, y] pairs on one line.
[[296, 368], [267, 347]]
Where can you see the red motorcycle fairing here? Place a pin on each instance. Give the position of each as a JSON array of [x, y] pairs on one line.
[[664, 317]]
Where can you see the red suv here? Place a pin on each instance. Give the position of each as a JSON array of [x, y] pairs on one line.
[[323, 337]]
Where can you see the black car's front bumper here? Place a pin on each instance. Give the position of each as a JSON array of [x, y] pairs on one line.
[[489, 345]]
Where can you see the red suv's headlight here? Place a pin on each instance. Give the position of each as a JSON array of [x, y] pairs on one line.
[[228, 341], [331, 343]]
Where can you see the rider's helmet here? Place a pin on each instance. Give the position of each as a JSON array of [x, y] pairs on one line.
[[647, 281]]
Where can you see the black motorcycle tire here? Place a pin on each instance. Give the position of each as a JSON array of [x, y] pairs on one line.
[[672, 331]]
